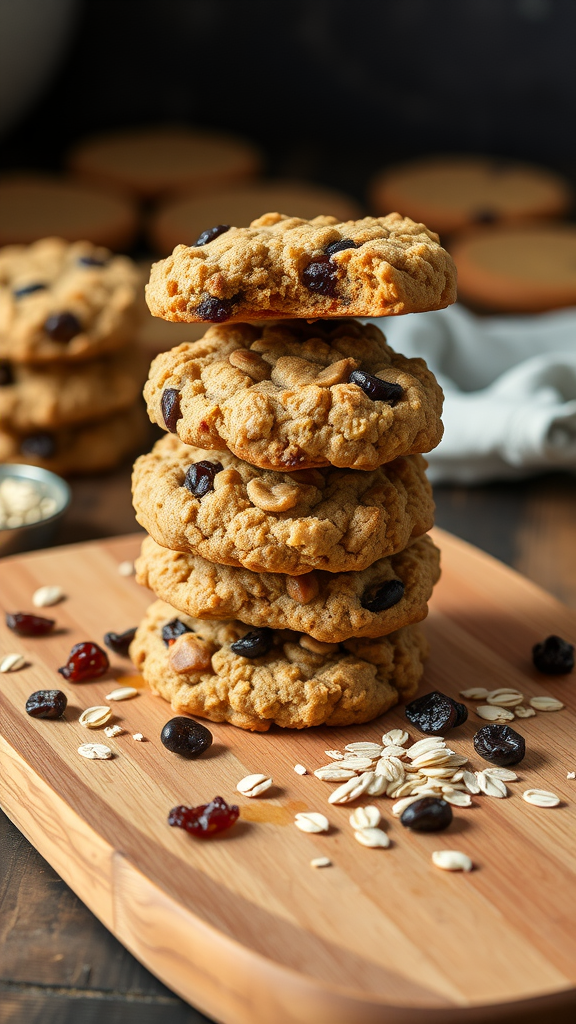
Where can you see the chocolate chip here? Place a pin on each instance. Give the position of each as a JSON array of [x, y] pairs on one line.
[[554, 656], [170, 405], [500, 744], [254, 644], [376, 389], [385, 596], [42, 446], [6, 375], [320, 276], [62, 326], [215, 310], [28, 289], [433, 713], [91, 261], [339, 246], [428, 814], [199, 478], [210, 234], [173, 629], [485, 216]]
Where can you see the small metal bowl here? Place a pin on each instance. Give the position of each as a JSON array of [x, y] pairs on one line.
[[39, 534]]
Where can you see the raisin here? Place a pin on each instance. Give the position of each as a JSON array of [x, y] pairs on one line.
[[28, 289], [62, 326], [484, 216], [385, 596], [170, 405], [434, 713], [6, 375], [215, 310], [46, 704], [120, 642], [91, 261], [199, 478], [461, 713], [320, 276], [339, 246], [254, 644], [554, 656], [376, 389], [206, 819], [500, 744], [42, 446], [429, 814], [173, 629], [186, 737], [210, 234], [85, 661], [29, 625]]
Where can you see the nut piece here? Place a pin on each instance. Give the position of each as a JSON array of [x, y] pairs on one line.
[[395, 738], [94, 718], [540, 797], [321, 862], [523, 712], [253, 785], [126, 568], [95, 751], [275, 498], [12, 662], [494, 714], [365, 817], [475, 693], [138, 736], [122, 693], [302, 589], [451, 860], [336, 373], [546, 704], [316, 646], [250, 363], [311, 821], [372, 837], [45, 596], [189, 653]]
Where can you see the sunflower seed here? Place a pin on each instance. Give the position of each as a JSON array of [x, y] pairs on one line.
[[451, 860], [321, 862], [372, 837], [122, 693], [94, 718], [541, 797], [491, 786], [253, 785], [546, 703], [12, 662], [352, 789], [95, 751], [396, 737], [45, 596], [475, 693], [300, 769], [494, 714], [523, 712], [365, 817], [311, 821], [333, 773]]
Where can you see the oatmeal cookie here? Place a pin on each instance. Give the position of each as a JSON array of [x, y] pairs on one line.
[[62, 301], [391, 593], [230, 512], [293, 395], [289, 684], [290, 267]]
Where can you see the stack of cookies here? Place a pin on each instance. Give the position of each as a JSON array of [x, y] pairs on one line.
[[70, 371], [288, 505]]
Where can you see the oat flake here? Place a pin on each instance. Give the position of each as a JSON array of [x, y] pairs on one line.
[[12, 662], [95, 751], [321, 862], [451, 860], [540, 797], [122, 693], [373, 837], [311, 821]]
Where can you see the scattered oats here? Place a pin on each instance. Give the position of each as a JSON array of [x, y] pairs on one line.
[[126, 568], [494, 714], [400, 806], [321, 862], [336, 755], [451, 860], [571, 775], [438, 773], [429, 743], [378, 786], [373, 837], [300, 769], [546, 704], [352, 789], [396, 737], [505, 698], [430, 758], [333, 773], [311, 821], [523, 712], [491, 786], [457, 798], [365, 817], [541, 797], [94, 718], [395, 790], [458, 776], [122, 693], [46, 596], [475, 693], [138, 736], [505, 774], [113, 730], [12, 662], [391, 768], [254, 785], [357, 764], [95, 751], [471, 782], [392, 750], [371, 750]]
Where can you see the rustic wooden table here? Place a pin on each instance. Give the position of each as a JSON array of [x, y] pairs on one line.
[[59, 964]]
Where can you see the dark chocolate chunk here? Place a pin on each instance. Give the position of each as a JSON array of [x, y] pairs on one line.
[[376, 389]]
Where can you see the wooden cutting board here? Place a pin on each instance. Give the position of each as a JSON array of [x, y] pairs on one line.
[[241, 925]]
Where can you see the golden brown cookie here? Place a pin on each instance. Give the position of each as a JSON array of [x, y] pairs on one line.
[[289, 267], [292, 396], [391, 593], [62, 301], [339, 520], [296, 684]]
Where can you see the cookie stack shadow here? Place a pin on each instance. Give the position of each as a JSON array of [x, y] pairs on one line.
[[287, 506]]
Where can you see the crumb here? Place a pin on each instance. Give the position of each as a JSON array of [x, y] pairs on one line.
[[300, 769], [113, 730], [571, 775], [138, 736]]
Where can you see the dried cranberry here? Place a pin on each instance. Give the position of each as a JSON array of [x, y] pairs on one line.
[[500, 744], [215, 310], [85, 661], [320, 276], [92, 261], [120, 642], [210, 234], [170, 405], [200, 477], [6, 375], [554, 656], [205, 820], [173, 629], [434, 713], [28, 289], [429, 814], [485, 216], [376, 389], [385, 596], [343, 243], [254, 644], [186, 737], [42, 446], [62, 326], [46, 704], [29, 625]]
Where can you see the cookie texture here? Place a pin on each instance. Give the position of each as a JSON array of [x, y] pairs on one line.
[[279, 396], [332, 519], [290, 686], [390, 265], [58, 395], [327, 606], [62, 301], [89, 448]]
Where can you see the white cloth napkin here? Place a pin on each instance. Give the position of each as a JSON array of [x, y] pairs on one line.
[[510, 390]]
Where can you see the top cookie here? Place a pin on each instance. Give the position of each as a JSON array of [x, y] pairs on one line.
[[62, 301], [289, 267]]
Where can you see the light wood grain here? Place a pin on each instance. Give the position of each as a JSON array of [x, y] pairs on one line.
[[241, 925]]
